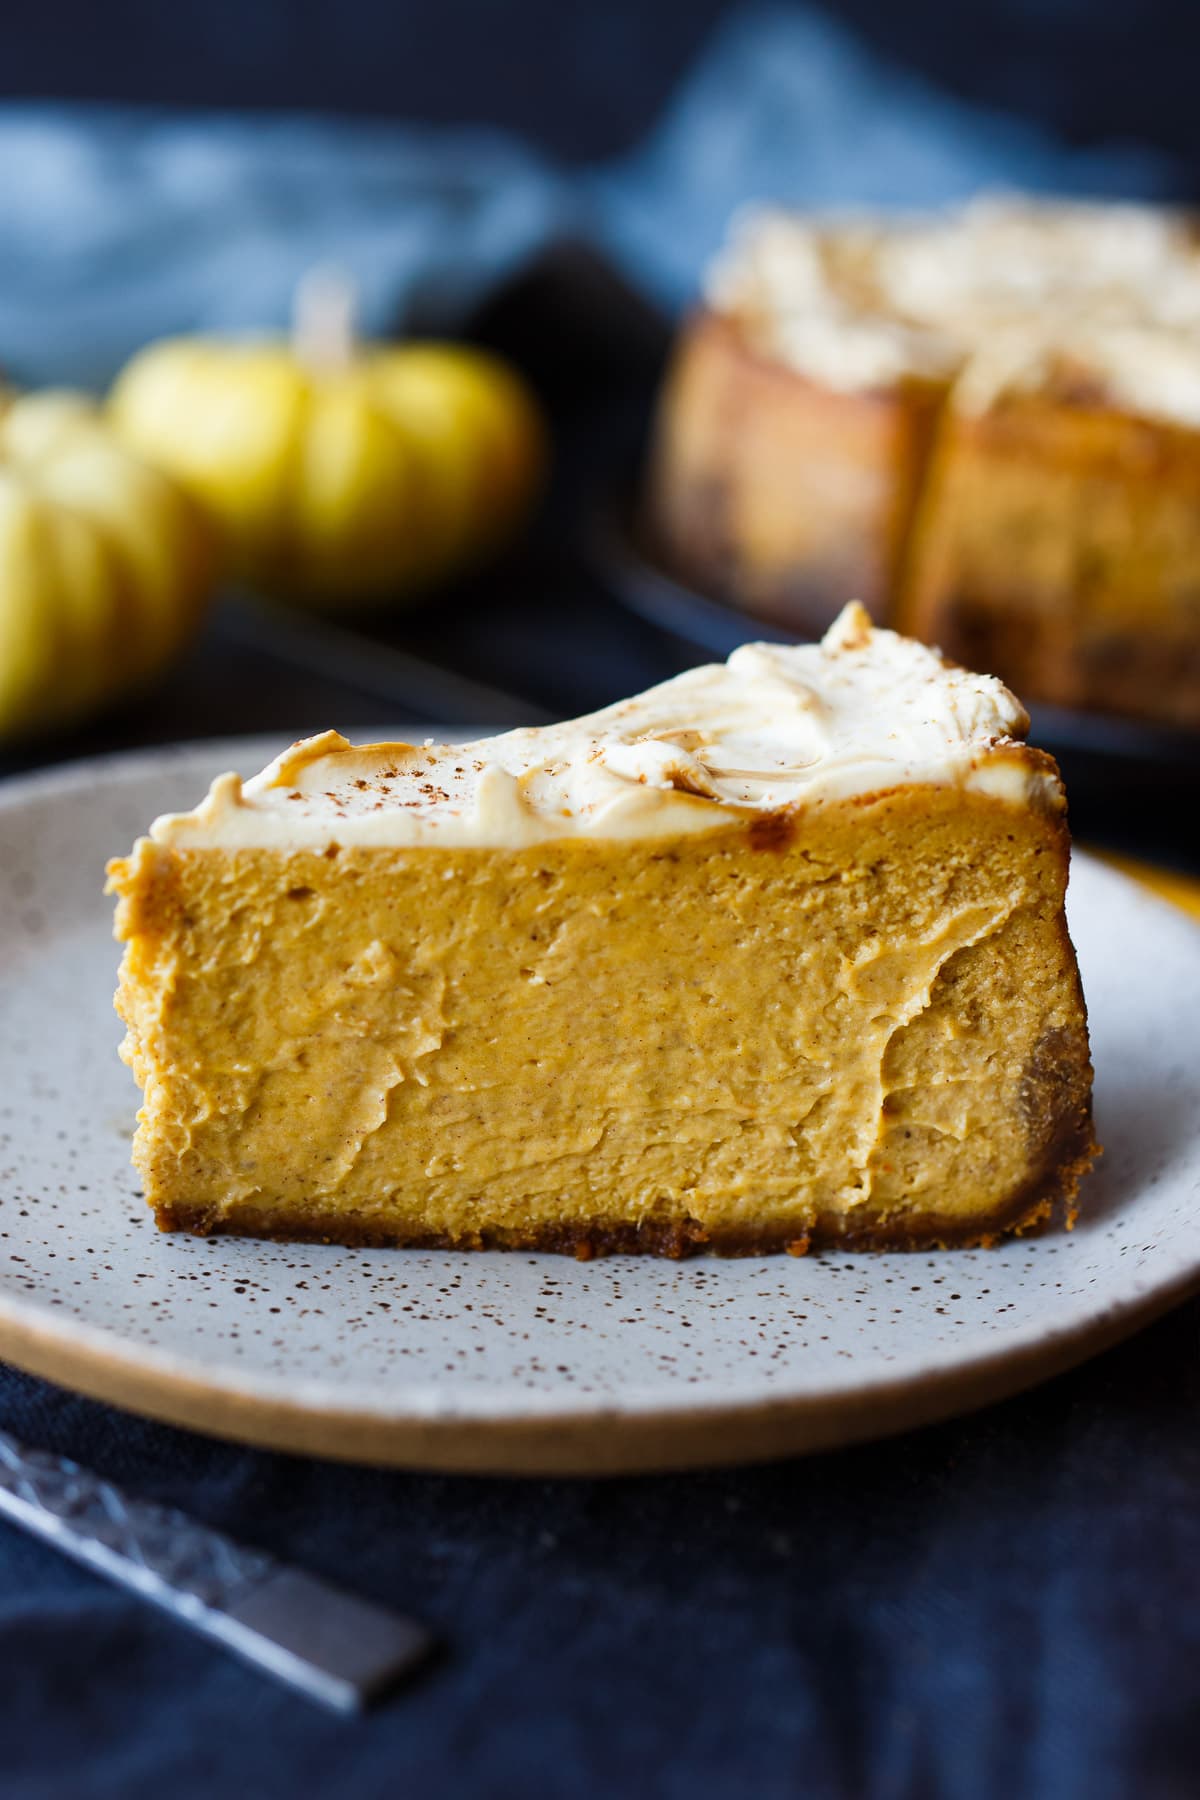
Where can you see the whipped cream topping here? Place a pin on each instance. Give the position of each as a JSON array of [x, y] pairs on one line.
[[998, 295], [775, 727]]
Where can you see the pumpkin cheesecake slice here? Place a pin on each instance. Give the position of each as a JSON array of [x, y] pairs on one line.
[[771, 956]]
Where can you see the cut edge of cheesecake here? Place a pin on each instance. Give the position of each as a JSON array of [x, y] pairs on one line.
[[701, 872]]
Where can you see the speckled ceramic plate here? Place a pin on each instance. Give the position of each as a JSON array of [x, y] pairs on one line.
[[536, 1363]]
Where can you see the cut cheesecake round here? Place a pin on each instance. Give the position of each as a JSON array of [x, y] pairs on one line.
[[985, 423], [769, 957]]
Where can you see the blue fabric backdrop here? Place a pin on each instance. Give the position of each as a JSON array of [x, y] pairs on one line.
[[117, 226]]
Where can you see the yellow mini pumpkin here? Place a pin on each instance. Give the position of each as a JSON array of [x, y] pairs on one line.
[[338, 471], [104, 563]]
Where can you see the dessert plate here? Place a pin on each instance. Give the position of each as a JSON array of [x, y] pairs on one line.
[[536, 1363]]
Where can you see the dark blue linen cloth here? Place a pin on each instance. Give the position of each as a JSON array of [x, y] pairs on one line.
[[117, 226], [1001, 1607]]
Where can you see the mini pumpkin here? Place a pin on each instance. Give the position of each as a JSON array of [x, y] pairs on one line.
[[105, 563], [339, 472]]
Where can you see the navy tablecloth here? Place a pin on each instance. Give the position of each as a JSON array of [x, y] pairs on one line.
[[1000, 1607]]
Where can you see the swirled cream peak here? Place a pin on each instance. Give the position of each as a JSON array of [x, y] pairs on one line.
[[1001, 294], [775, 727]]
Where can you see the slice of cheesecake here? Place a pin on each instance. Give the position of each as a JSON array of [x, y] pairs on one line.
[[771, 956]]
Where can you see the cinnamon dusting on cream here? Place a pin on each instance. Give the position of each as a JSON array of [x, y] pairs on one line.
[[775, 728]]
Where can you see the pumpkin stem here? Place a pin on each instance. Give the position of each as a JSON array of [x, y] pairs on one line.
[[323, 319]]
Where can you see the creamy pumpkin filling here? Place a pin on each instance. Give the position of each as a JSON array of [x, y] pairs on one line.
[[606, 1010]]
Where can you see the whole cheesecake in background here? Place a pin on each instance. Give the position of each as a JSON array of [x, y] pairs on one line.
[[771, 956], [985, 423]]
